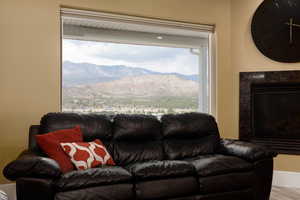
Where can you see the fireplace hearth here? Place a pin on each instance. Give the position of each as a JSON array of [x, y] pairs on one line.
[[270, 109]]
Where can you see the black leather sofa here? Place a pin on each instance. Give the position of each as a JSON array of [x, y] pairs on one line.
[[180, 157]]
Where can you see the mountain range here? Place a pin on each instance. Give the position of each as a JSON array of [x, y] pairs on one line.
[[88, 85], [146, 86], [75, 74]]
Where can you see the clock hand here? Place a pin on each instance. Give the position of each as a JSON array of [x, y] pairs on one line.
[[291, 24], [291, 30], [296, 25]]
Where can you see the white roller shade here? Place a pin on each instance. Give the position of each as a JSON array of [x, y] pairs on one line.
[[98, 26]]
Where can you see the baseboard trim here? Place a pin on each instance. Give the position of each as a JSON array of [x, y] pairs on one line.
[[286, 179], [10, 190]]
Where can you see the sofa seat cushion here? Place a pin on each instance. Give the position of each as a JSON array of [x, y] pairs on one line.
[[246, 194], [210, 165], [166, 188], [226, 182], [105, 175], [161, 169], [122, 191]]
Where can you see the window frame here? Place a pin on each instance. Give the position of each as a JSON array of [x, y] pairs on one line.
[[210, 29]]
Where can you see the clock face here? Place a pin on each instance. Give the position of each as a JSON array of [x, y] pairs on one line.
[[276, 30]]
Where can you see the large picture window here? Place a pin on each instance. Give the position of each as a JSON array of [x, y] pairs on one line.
[[112, 67]]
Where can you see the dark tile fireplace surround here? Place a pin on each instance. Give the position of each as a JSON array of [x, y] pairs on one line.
[[270, 109]]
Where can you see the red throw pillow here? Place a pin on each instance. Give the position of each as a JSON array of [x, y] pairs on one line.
[[50, 144], [85, 155]]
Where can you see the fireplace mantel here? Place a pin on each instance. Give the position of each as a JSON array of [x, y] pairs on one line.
[[247, 126]]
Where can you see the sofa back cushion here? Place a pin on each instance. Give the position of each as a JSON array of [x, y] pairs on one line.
[[93, 126], [188, 135], [136, 138]]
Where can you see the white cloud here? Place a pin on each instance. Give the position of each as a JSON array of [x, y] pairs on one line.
[[160, 59]]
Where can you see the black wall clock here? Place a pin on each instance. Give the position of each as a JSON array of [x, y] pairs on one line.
[[276, 30]]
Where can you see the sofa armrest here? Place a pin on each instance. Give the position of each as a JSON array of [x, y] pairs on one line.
[[245, 150], [29, 164]]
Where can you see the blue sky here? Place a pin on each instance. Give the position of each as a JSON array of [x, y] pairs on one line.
[[160, 59]]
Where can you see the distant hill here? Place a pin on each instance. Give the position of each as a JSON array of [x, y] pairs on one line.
[[140, 86], [76, 74]]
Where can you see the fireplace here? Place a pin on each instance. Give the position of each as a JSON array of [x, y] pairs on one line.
[[270, 109]]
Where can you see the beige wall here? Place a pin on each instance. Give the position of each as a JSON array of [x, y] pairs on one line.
[[245, 57], [30, 57]]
